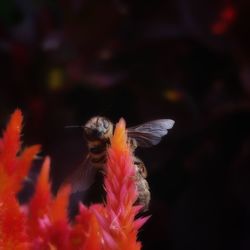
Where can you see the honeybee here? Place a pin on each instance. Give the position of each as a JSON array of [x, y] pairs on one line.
[[98, 131]]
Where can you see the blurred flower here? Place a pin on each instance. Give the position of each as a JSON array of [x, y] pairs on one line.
[[225, 20], [55, 79], [43, 222], [173, 95]]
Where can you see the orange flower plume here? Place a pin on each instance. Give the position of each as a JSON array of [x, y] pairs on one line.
[[13, 169], [118, 226], [43, 224]]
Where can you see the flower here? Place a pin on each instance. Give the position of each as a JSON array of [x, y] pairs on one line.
[[42, 223], [118, 225], [47, 216], [14, 166]]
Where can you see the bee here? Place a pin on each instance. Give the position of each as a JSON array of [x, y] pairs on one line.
[[98, 131]]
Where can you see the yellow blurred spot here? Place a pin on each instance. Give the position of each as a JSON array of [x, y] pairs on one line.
[[172, 95], [55, 79]]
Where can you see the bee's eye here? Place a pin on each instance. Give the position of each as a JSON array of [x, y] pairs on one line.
[[105, 123]]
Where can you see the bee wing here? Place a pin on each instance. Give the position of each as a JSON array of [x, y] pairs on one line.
[[83, 177], [150, 133]]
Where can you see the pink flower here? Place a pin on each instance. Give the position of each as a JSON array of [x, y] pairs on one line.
[[117, 219]]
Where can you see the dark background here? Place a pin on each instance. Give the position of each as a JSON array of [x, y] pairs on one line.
[[64, 61]]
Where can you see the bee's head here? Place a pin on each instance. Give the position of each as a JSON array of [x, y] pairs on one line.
[[98, 128]]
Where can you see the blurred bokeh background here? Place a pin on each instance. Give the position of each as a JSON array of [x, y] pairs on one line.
[[63, 61]]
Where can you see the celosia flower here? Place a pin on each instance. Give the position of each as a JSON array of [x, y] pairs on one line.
[[42, 224], [13, 169], [118, 226], [47, 216], [86, 231]]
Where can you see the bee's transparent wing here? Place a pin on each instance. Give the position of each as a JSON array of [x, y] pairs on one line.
[[150, 133], [83, 177]]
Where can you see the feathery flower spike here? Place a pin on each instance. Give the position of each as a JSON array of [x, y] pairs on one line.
[[117, 221]]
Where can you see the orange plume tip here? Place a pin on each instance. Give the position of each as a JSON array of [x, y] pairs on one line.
[[60, 204], [10, 143], [30, 153], [15, 122], [119, 139], [44, 175]]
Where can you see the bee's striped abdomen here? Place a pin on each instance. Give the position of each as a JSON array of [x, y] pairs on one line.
[[98, 154]]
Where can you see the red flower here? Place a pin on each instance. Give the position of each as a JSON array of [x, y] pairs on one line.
[[13, 169], [47, 216], [43, 224]]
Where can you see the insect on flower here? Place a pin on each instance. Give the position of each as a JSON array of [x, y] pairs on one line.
[[98, 131]]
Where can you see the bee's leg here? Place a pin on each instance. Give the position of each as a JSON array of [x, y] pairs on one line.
[[140, 167], [132, 143], [142, 184]]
